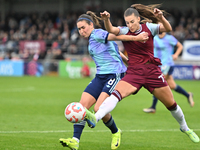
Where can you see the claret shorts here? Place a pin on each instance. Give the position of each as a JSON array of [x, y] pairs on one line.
[[148, 76]]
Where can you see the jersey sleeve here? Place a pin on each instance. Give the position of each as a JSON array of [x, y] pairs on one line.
[[153, 27], [123, 30], [101, 36]]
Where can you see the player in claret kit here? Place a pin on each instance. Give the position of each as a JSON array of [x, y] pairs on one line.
[[110, 69], [143, 68]]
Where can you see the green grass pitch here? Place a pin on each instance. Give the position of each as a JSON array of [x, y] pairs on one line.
[[32, 117]]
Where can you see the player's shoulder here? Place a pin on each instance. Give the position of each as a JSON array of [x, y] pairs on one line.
[[151, 25], [123, 30], [99, 30], [99, 34]]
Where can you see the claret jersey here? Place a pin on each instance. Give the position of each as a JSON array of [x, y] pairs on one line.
[[138, 52]]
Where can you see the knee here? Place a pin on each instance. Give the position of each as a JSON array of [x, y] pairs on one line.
[[173, 107], [117, 94], [172, 86]]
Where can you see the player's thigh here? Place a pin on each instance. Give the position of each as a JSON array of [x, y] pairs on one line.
[[171, 82], [87, 100], [164, 94], [100, 100], [125, 88]]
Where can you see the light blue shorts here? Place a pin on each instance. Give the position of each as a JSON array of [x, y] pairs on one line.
[[167, 70]]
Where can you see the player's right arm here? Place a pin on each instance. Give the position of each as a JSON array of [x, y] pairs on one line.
[[178, 50], [108, 25], [142, 37]]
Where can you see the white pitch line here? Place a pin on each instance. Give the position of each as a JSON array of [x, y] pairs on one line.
[[60, 131]]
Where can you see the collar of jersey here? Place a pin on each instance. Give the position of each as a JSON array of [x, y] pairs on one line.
[[90, 34], [139, 30]]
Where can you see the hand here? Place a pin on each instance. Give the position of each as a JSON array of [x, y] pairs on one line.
[[142, 37], [105, 15], [175, 57], [158, 13]]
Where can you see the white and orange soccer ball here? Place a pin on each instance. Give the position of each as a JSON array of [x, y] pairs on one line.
[[75, 112]]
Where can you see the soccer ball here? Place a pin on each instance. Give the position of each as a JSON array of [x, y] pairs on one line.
[[75, 112]]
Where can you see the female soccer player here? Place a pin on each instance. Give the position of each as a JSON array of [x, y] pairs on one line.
[[164, 45], [143, 69], [110, 69]]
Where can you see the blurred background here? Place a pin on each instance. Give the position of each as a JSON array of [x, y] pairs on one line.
[[39, 37]]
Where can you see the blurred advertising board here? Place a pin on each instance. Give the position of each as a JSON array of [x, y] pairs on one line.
[[72, 69], [33, 68], [191, 50], [33, 47], [186, 72], [11, 68]]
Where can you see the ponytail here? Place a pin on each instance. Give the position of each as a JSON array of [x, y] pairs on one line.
[[145, 11], [95, 18]]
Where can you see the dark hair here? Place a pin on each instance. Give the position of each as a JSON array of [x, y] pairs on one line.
[[146, 12], [90, 17]]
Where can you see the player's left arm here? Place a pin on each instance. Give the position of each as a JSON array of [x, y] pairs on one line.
[[140, 37], [165, 25], [178, 50]]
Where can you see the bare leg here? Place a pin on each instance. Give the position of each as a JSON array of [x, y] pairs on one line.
[[165, 95]]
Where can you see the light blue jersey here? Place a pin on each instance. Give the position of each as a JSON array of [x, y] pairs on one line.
[[164, 49], [105, 53]]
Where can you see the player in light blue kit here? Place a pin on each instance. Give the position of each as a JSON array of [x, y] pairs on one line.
[[110, 69], [164, 45]]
